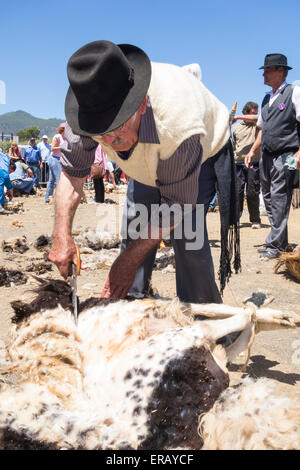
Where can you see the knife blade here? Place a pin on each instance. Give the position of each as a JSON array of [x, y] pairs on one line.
[[75, 269]]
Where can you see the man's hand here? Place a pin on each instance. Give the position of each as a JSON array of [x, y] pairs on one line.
[[249, 158], [63, 252], [120, 278], [123, 270], [297, 155], [10, 194]]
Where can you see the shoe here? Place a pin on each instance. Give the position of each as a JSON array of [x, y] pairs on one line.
[[47, 201], [255, 225], [2, 210], [269, 255], [93, 202], [263, 250]]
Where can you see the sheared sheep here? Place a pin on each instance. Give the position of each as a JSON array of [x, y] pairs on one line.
[[131, 375]]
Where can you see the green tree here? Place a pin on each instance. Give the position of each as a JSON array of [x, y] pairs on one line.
[[5, 145], [26, 134]]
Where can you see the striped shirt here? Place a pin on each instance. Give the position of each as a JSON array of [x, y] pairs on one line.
[[78, 154], [177, 177]]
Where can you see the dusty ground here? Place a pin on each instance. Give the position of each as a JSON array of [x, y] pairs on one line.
[[274, 355]]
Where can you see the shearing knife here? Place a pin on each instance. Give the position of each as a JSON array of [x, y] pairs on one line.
[[75, 271]]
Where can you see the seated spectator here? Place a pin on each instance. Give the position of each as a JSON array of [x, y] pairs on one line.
[[14, 151], [5, 182], [17, 176]]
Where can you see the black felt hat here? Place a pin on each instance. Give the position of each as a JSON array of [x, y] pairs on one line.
[[277, 60], [108, 83]]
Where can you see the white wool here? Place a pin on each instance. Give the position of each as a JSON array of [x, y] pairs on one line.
[[89, 386], [97, 240], [101, 259], [252, 416]]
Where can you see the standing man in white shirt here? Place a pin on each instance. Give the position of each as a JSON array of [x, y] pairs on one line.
[[45, 150], [279, 138]]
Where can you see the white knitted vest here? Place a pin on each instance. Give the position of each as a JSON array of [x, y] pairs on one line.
[[182, 107]]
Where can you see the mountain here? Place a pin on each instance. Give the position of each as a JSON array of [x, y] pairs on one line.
[[18, 120]]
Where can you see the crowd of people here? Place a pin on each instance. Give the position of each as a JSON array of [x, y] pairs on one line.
[[40, 164]]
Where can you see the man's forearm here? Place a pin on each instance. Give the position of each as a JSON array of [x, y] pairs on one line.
[[138, 250], [150, 237], [68, 196]]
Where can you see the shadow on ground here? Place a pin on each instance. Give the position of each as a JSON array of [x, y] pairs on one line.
[[248, 224], [260, 367]]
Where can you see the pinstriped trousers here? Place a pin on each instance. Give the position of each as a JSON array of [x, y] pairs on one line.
[[195, 279], [277, 189]]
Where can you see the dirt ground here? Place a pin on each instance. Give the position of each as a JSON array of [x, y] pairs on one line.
[[274, 355]]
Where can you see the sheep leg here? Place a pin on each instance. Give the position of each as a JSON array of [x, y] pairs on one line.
[[215, 310], [243, 342], [217, 329], [267, 318], [270, 319]]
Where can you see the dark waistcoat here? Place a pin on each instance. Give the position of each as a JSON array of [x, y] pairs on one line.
[[281, 130]]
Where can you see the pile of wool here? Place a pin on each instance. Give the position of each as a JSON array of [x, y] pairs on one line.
[[11, 277], [97, 240], [121, 189], [291, 261], [108, 187], [15, 207], [102, 259], [42, 242], [165, 260], [39, 268], [18, 245]]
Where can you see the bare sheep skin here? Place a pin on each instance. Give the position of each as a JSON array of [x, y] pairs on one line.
[[132, 375]]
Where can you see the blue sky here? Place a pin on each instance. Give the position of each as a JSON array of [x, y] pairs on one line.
[[229, 40]]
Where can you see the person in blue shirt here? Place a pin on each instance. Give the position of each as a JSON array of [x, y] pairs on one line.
[[5, 181], [4, 162], [33, 157]]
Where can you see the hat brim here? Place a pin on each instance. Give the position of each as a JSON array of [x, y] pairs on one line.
[[94, 123], [275, 65]]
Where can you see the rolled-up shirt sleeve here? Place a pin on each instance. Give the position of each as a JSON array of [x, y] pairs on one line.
[[177, 177], [78, 154]]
